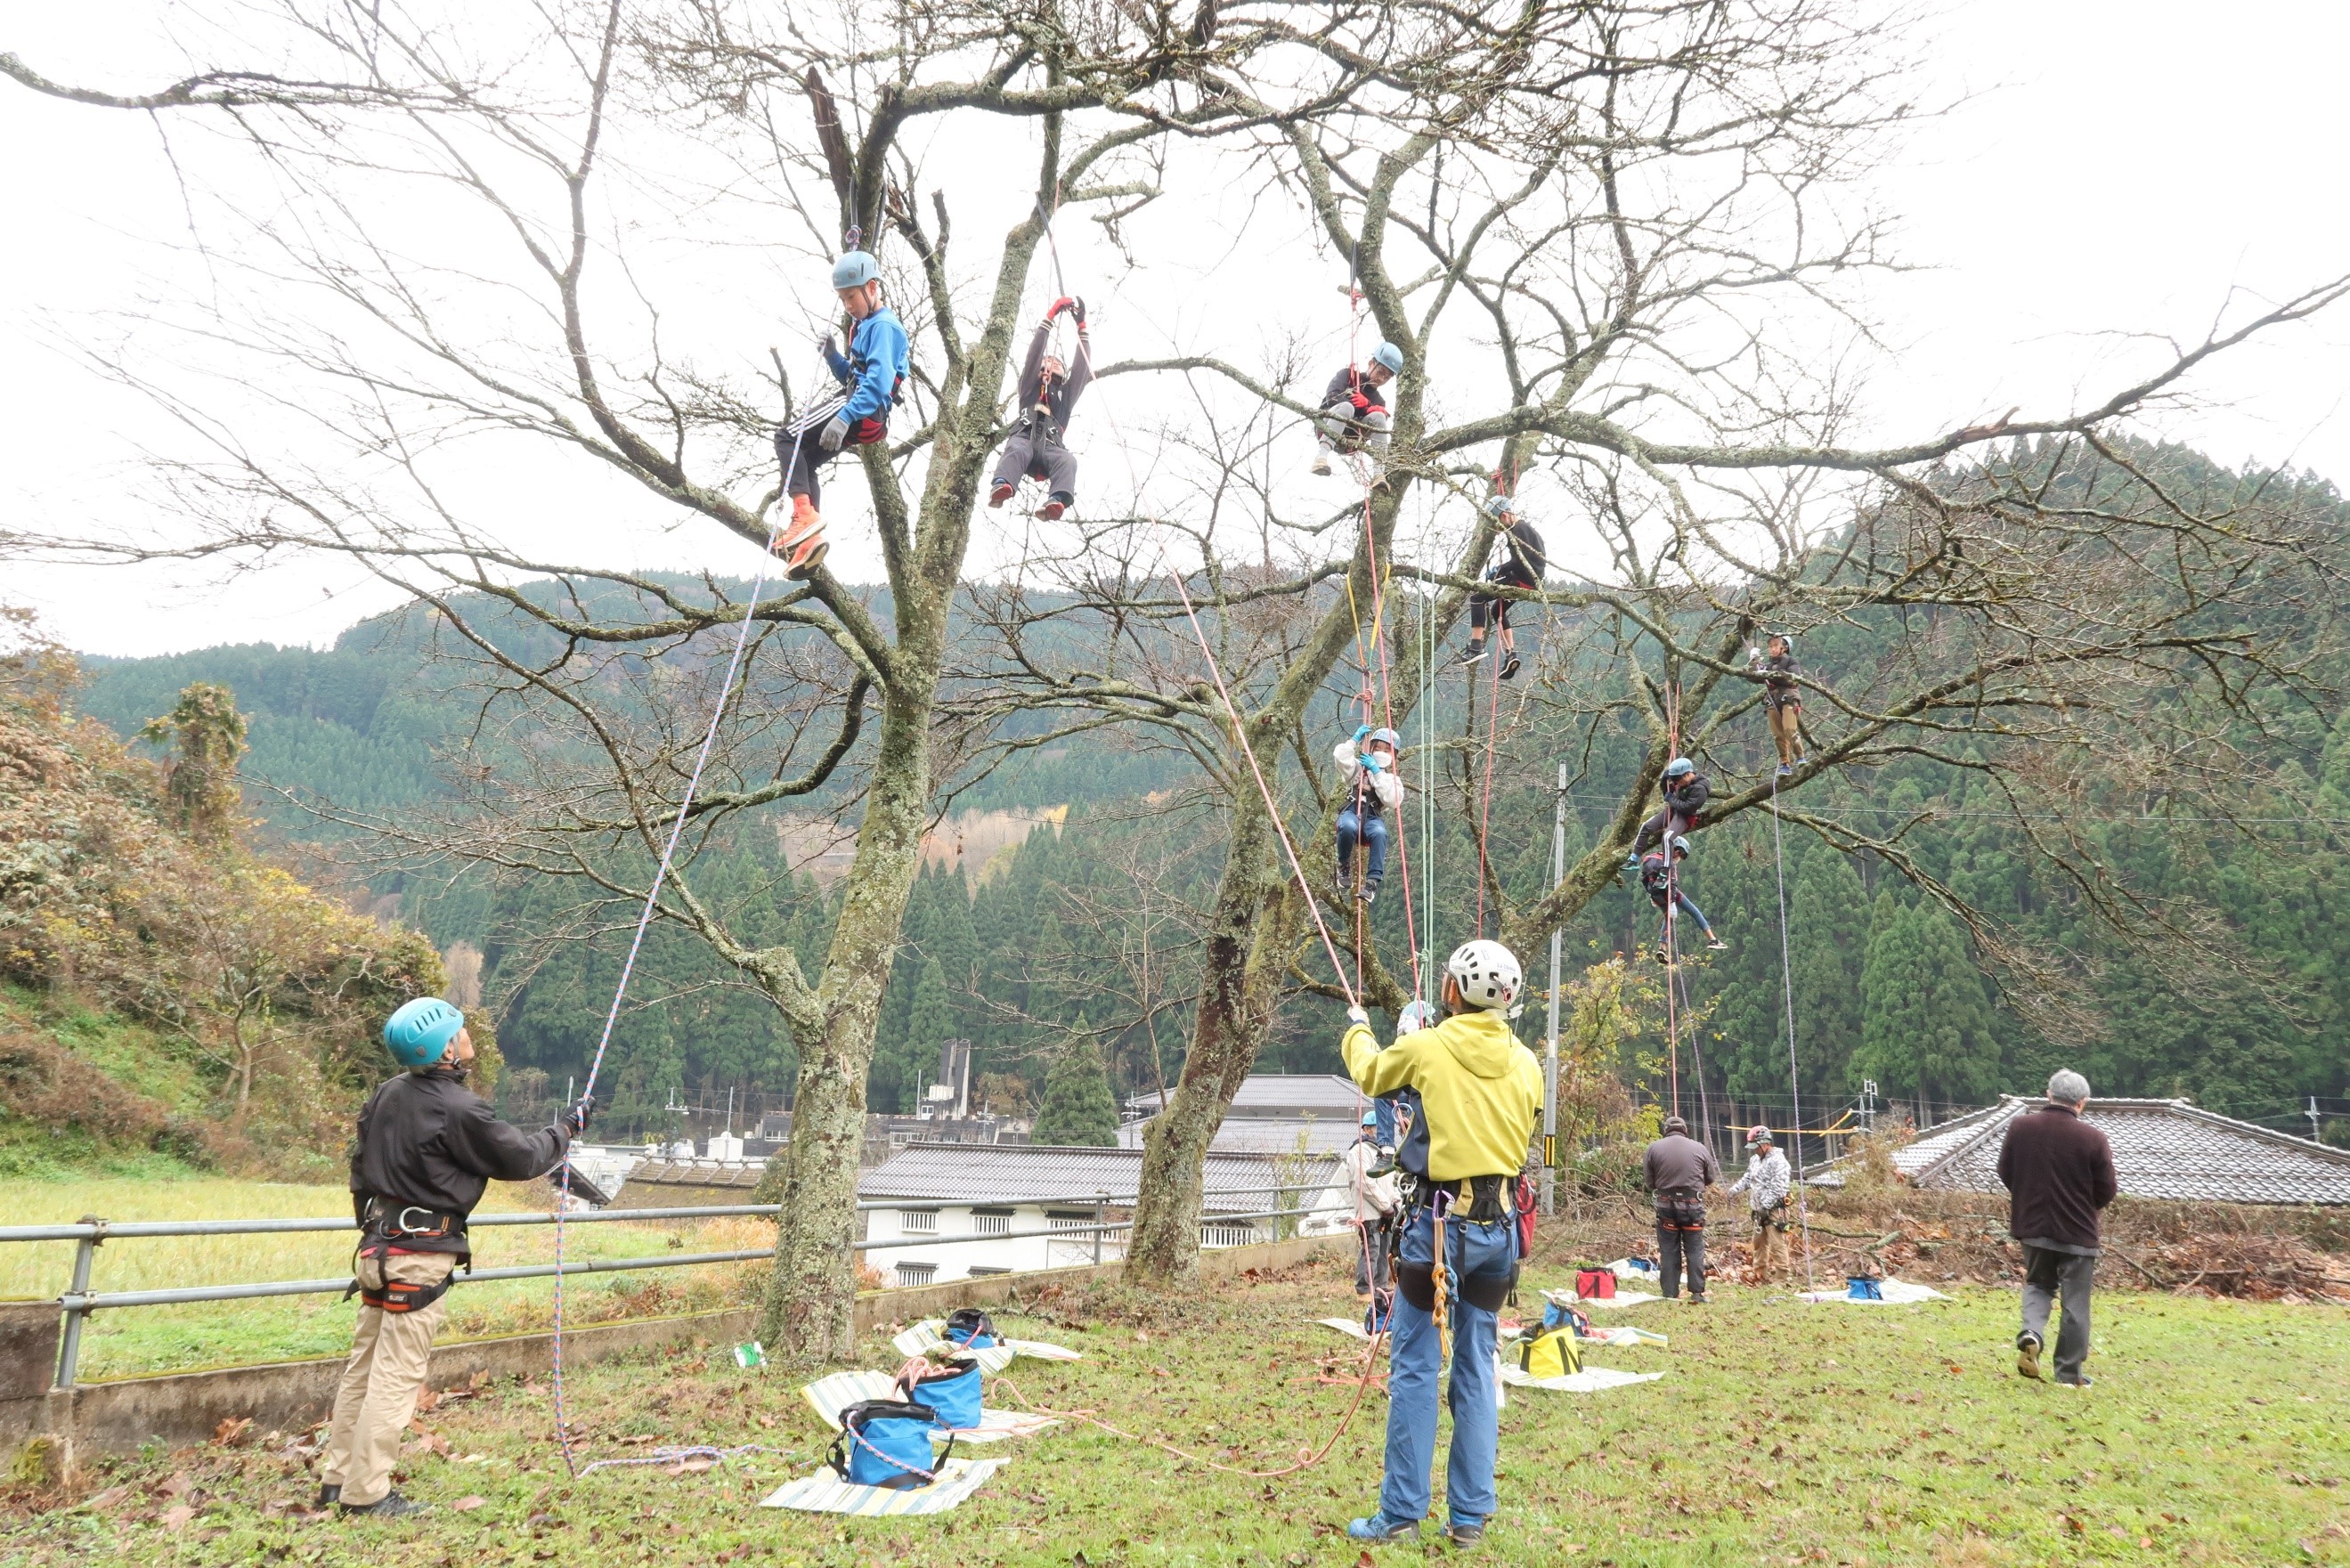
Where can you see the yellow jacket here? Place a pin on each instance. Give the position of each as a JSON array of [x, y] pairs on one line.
[[1479, 1089]]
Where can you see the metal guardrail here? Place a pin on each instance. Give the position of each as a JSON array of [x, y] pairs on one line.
[[79, 1301]]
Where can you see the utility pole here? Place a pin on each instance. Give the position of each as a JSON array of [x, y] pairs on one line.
[[1550, 1049]]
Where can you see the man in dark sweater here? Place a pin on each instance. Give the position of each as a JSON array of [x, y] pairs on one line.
[[1679, 1169], [426, 1148], [2059, 1175]]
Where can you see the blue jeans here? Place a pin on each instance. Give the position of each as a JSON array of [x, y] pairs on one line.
[[1373, 834], [1415, 1361], [1688, 908]]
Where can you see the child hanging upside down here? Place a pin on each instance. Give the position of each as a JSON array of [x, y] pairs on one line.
[[1048, 391], [857, 415], [1686, 791], [1783, 699], [1521, 566], [1373, 788], [1663, 883], [1355, 416]]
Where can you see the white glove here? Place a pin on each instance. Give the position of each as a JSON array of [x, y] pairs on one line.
[[835, 433], [1356, 1015]]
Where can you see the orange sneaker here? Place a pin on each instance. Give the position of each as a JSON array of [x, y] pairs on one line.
[[806, 523], [1000, 494], [806, 557]]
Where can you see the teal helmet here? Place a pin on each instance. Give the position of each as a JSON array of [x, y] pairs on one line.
[[855, 270], [1416, 1015], [1386, 355], [419, 1033], [1383, 733], [1679, 767], [1502, 506]]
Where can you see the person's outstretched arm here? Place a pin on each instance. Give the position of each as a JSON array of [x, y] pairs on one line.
[[477, 1141]]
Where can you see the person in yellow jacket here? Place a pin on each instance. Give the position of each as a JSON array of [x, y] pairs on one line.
[[1480, 1095]]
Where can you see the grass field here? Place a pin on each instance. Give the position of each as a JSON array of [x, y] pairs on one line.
[[2218, 1432], [212, 1334]]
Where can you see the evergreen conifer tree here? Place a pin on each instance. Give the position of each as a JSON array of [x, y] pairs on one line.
[[1077, 1108]]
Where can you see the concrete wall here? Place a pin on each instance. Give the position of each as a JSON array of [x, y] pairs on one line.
[[181, 1408]]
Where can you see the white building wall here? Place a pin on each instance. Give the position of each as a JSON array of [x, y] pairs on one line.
[[955, 1246]]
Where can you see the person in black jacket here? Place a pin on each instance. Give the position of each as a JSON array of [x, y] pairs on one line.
[[1521, 566], [1686, 791], [426, 1148], [1048, 393], [2059, 1174], [1355, 413]]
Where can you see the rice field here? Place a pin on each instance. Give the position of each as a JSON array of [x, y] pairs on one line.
[[213, 1334]]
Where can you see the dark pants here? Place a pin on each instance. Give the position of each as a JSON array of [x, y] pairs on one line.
[[2047, 1275], [1040, 457], [1370, 1256], [1490, 609], [801, 453], [1681, 1245], [1653, 832]]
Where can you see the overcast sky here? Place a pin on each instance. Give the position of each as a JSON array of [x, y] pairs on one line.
[[2115, 170]]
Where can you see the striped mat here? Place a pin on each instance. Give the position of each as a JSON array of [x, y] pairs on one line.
[[826, 1492], [995, 1358], [831, 1395]]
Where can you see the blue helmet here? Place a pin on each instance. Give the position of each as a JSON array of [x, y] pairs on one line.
[[1679, 767], [855, 270], [1383, 733], [1502, 506], [1389, 357], [1416, 1015], [419, 1033], [1370, 1117]]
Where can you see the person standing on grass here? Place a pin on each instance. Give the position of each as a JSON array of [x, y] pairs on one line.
[[1766, 1184], [1375, 1197], [2059, 1175], [1481, 1095], [426, 1150], [1679, 1169]]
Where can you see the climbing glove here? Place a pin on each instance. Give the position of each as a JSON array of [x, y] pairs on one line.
[[1357, 1015], [835, 433], [576, 1116]]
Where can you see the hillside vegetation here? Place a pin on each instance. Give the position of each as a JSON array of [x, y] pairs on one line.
[[171, 994]]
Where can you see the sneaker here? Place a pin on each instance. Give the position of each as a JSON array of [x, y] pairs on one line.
[[1801, 762], [807, 557], [1476, 655], [2075, 1382], [1786, 770], [391, 1505], [1379, 1527], [1664, 955], [1321, 470], [1000, 494], [1368, 893], [806, 520], [1051, 511], [1632, 861], [1717, 944], [1465, 1532], [1509, 669], [329, 1494], [2027, 1357], [1343, 882]]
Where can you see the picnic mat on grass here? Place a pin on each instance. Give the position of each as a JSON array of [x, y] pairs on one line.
[[1590, 1380], [1897, 1293], [995, 1358], [826, 1492], [832, 1395]]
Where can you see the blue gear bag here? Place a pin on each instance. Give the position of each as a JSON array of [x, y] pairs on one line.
[[886, 1443], [951, 1390]]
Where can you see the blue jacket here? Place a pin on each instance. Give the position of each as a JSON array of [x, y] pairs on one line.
[[876, 362]]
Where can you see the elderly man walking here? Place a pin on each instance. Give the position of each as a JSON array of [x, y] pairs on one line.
[[1766, 1184], [1679, 1169], [2059, 1175]]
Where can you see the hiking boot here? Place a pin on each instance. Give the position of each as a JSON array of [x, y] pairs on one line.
[[329, 1494], [805, 521], [391, 1505], [1051, 511], [1465, 1532], [1379, 1527], [1000, 494], [1321, 470], [1508, 671], [2027, 1356]]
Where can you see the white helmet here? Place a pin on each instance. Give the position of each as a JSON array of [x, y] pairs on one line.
[[1488, 973]]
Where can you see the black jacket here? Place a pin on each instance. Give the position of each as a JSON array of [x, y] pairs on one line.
[[1779, 687], [427, 1142], [1345, 384], [1522, 561], [2059, 1173], [1046, 413], [1687, 800]]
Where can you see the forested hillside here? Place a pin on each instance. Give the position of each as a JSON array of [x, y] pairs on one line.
[[1091, 931]]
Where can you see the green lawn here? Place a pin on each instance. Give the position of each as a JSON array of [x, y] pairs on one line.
[[215, 1334], [2218, 1432]]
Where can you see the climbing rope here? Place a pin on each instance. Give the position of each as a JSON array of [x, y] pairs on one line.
[[1672, 905], [1794, 1079]]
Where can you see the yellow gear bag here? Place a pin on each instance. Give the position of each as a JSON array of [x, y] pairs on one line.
[[1550, 1352]]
